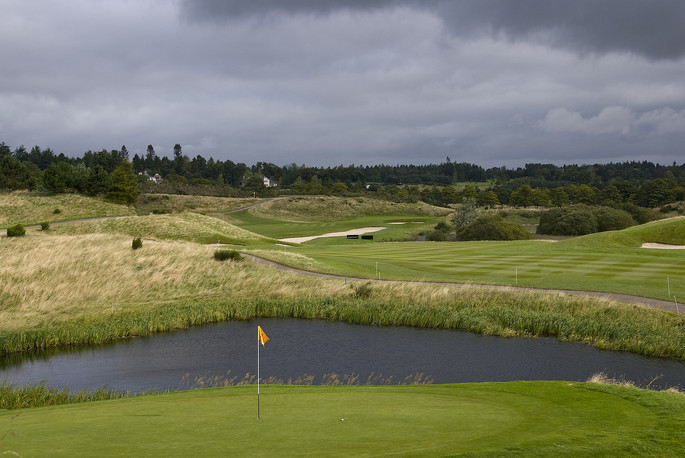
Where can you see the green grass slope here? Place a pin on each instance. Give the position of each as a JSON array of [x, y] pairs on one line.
[[669, 231], [488, 419]]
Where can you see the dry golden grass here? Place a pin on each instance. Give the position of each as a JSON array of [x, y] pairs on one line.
[[172, 203], [323, 208], [54, 278], [178, 226], [47, 278], [23, 207]]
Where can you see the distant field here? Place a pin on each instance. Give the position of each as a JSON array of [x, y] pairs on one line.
[[26, 208], [491, 419], [408, 230], [307, 216]]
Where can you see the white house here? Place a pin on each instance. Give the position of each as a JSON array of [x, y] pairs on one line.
[[269, 183]]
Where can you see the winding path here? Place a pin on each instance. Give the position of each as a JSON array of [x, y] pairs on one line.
[[624, 298]]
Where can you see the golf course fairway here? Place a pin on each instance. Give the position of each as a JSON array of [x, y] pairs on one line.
[[483, 419]]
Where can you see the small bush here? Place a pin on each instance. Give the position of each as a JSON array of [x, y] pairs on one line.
[[137, 243], [573, 220], [581, 220], [227, 255], [44, 226], [437, 236], [57, 211], [362, 291], [612, 219], [443, 226], [16, 231], [493, 227]]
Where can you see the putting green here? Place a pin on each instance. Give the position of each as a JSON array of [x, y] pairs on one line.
[[527, 418]]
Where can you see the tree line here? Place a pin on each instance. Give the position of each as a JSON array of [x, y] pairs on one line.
[[644, 183]]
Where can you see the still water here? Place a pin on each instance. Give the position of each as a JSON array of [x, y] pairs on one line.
[[297, 347]]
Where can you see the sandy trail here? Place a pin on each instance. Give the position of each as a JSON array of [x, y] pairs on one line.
[[361, 230]]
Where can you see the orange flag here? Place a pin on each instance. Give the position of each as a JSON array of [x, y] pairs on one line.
[[261, 336]]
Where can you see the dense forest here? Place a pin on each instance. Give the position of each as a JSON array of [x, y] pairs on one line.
[[644, 184]]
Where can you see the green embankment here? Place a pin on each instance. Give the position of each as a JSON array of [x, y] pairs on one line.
[[488, 419]]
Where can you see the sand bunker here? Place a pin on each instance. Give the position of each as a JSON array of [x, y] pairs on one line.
[[663, 246], [362, 230]]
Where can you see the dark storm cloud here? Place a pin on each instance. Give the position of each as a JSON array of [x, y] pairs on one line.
[[652, 29], [327, 82]]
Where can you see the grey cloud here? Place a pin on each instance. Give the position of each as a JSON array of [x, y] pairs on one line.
[[652, 29], [235, 9]]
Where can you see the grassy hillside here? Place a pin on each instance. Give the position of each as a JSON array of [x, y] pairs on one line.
[[320, 208], [22, 207], [487, 419], [172, 203], [190, 227]]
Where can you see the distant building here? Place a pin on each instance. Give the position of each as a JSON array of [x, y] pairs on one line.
[[269, 183], [157, 178]]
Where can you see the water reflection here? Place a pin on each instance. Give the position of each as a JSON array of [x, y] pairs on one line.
[[299, 347]]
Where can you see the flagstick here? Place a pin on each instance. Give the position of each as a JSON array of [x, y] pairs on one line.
[[257, 379]]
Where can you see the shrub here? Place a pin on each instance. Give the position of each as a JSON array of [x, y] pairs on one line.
[[137, 243], [57, 211], [16, 231], [224, 255], [493, 227], [362, 291], [581, 220], [639, 214], [437, 236], [44, 226], [466, 214], [443, 227], [612, 219], [573, 220]]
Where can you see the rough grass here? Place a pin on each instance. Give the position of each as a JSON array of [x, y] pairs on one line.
[[191, 227], [319, 208], [23, 207], [483, 419], [172, 203]]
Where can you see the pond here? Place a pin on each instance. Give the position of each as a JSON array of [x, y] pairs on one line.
[[297, 348]]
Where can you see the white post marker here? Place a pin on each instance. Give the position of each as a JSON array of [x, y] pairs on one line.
[[517, 276], [676, 305], [668, 280]]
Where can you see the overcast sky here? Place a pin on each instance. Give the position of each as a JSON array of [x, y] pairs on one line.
[[329, 82]]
